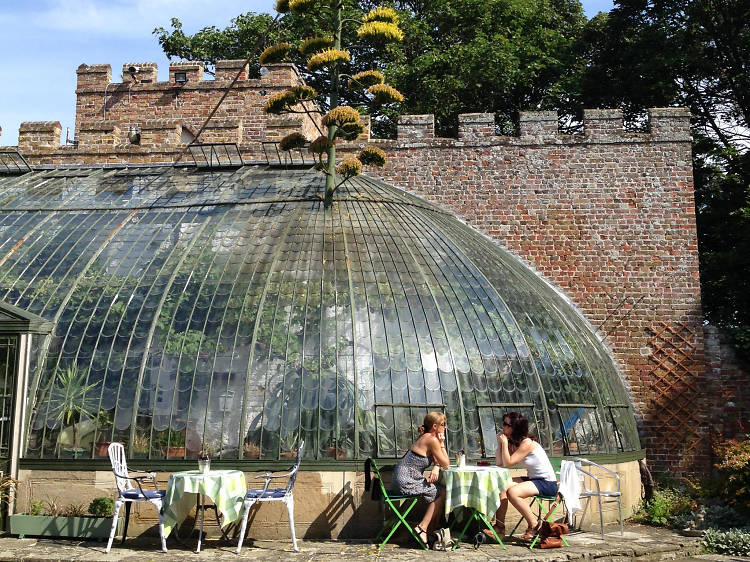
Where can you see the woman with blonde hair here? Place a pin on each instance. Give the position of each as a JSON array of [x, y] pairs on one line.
[[408, 476]]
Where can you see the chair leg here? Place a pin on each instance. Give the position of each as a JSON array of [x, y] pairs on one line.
[[245, 513], [128, 505], [118, 505], [290, 508], [619, 514], [601, 515], [402, 521], [161, 527]]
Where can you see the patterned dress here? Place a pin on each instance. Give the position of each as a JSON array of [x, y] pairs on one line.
[[408, 478]]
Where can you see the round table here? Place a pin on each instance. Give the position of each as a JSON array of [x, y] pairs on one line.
[[476, 488], [226, 488]]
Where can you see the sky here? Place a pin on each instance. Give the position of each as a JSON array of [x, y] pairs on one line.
[[44, 41]]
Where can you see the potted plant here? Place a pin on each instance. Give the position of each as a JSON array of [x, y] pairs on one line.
[[71, 405], [103, 422], [48, 519], [172, 443], [141, 445], [251, 450]]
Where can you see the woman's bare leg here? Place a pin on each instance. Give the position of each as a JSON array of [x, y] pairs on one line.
[[517, 494], [503, 509], [439, 508]]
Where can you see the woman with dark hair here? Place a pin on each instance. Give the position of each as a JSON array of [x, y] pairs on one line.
[[514, 446], [408, 476]]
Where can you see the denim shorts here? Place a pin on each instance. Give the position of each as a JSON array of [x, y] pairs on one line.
[[545, 487]]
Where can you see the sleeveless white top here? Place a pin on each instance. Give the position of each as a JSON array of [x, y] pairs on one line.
[[537, 464]]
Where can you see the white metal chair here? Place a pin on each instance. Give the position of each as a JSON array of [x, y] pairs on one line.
[[603, 496], [267, 494], [129, 494]]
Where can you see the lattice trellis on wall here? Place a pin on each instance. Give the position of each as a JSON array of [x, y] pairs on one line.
[[675, 388]]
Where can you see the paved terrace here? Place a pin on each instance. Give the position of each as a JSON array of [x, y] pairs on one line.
[[639, 542]]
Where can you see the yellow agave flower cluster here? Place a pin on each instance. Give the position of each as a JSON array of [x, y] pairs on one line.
[[275, 53], [283, 102], [381, 23]]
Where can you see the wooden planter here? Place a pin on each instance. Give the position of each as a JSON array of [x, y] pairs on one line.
[[96, 528]]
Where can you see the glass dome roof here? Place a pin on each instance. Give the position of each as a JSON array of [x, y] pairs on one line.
[[229, 310]]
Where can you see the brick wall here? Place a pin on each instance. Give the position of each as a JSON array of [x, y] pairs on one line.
[[607, 216], [730, 410]]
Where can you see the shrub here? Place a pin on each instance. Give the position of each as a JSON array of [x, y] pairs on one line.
[[734, 472], [666, 504], [102, 507], [37, 506], [74, 510], [732, 541], [724, 517]]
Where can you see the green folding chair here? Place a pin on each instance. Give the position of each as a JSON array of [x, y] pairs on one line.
[[543, 512], [400, 506]]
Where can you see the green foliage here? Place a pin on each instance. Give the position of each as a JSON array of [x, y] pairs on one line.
[[37, 507], [723, 517], [169, 438], [102, 507], [694, 54], [666, 504], [71, 399], [733, 541], [462, 56], [734, 472], [211, 44]]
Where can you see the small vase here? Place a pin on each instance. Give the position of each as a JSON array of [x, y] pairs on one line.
[[204, 465]]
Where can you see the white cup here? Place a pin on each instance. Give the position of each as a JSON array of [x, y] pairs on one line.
[[461, 461]]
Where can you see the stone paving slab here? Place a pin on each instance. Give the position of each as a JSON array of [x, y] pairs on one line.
[[639, 542]]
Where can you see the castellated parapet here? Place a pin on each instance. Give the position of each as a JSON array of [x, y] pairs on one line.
[[166, 116], [607, 215]]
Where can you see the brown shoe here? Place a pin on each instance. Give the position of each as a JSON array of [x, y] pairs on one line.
[[499, 529]]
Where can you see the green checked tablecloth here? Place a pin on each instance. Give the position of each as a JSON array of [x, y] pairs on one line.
[[476, 487], [226, 488]]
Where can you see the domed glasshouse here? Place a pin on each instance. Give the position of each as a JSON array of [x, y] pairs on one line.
[[227, 309]]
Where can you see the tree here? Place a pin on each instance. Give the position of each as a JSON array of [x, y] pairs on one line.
[[499, 56], [325, 57], [692, 53], [457, 56]]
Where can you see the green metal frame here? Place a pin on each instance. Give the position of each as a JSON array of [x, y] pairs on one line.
[[478, 516], [395, 502]]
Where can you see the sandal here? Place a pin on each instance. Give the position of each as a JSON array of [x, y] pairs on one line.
[[499, 529], [531, 532], [420, 531]]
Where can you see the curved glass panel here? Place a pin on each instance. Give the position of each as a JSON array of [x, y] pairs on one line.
[[228, 309]]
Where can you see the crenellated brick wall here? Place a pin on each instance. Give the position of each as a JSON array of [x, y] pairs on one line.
[[607, 216]]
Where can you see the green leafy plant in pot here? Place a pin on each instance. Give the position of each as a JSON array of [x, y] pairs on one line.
[[71, 404]]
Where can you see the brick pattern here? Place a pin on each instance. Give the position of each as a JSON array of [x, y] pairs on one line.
[[606, 215], [730, 405]]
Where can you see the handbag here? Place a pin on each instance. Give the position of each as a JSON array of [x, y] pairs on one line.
[[442, 539], [553, 529], [550, 542]]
